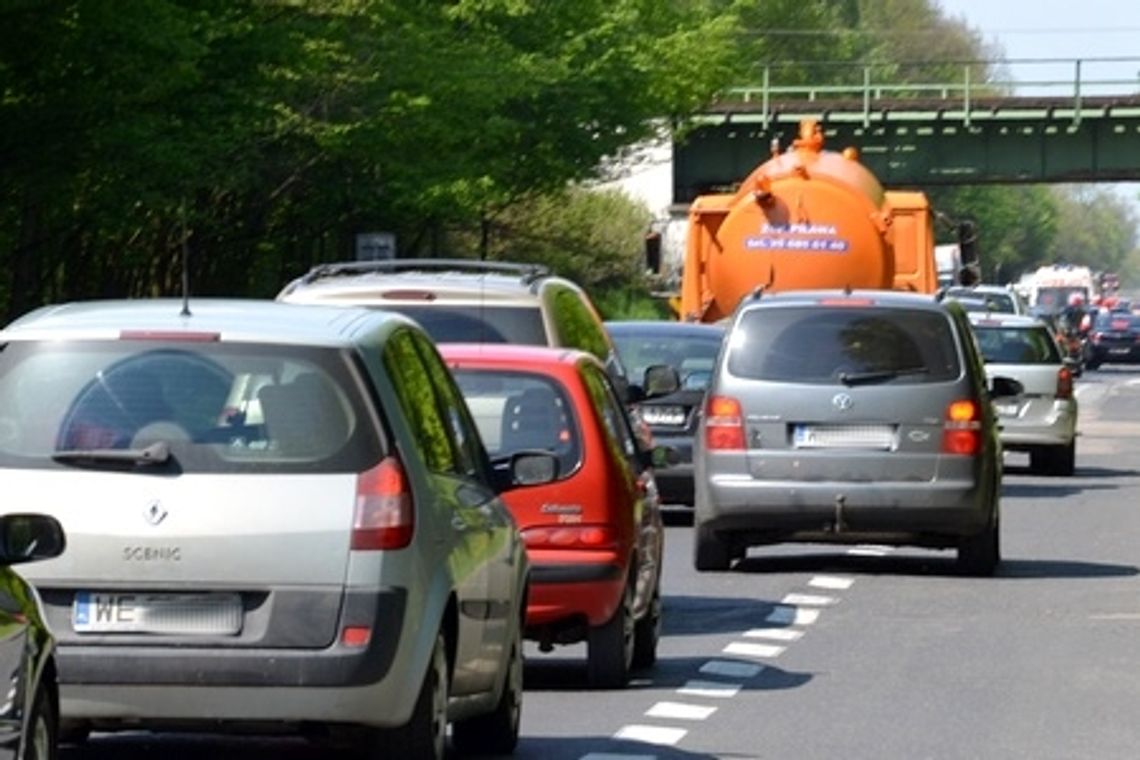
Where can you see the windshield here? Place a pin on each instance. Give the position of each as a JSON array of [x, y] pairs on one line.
[[478, 324], [1017, 345], [693, 356]]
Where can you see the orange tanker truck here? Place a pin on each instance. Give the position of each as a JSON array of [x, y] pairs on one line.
[[806, 218]]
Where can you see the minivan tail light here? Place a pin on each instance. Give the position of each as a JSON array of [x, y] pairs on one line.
[[962, 431], [384, 517], [724, 424], [1064, 383]]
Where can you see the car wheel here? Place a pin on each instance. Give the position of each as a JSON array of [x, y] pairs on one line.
[[496, 733], [609, 646], [1064, 459], [710, 552], [425, 735], [647, 631], [980, 554], [40, 741]]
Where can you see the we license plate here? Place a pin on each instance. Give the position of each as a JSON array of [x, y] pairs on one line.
[[171, 614], [1006, 410]]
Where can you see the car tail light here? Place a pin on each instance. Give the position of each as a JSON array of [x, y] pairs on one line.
[[724, 424], [962, 431], [384, 516], [570, 537], [1064, 383]]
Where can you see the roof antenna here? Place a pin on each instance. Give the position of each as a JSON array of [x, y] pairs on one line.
[[185, 263]]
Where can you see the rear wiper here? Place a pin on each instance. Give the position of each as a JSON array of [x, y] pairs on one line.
[[862, 378], [156, 453]]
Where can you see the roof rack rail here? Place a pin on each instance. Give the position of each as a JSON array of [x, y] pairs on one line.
[[528, 272]]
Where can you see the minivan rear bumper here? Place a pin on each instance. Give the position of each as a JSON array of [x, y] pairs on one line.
[[840, 510], [564, 591]]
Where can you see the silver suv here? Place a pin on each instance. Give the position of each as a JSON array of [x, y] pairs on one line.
[[848, 417], [277, 515], [469, 301]]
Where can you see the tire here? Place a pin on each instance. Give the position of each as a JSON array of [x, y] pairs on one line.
[[425, 735], [609, 646], [979, 555], [41, 736], [1064, 459], [647, 632], [710, 553], [496, 733]]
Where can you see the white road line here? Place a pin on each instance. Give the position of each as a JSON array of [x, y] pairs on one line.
[[744, 649], [731, 669], [809, 600], [679, 711], [615, 756], [714, 689], [661, 735], [786, 615], [831, 582], [862, 551], [776, 634]]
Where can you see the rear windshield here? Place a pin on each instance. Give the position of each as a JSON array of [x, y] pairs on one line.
[[1017, 345], [217, 407], [515, 411], [973, 300], [1117, 322], [848, 345], [478, 324], [693, 356]]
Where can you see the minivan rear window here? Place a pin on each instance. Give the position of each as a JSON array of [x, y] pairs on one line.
[[218, 407], [1017, 345], [447, 323], [516, 411], [847, 345]]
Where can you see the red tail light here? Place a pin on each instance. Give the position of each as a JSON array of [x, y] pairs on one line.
[[724, 424], [384, 515], [962, 432], [1064, 383], [570, 537]]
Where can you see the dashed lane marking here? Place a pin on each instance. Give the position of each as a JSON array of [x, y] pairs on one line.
[[808, 600], [788, 615], [731, 669], [712, 689], [660, 735], [679, 711], [762, 651], [775, 634], [831, 582]]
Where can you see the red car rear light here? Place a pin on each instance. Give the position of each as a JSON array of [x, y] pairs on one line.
[[384, 517], [724, 424], [570, 537], [962, 431], [1064, 383]]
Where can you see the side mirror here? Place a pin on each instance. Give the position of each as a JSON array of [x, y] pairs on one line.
[[30, 537], [1005, 386], [660, 456], [661, 380], [532, 468]]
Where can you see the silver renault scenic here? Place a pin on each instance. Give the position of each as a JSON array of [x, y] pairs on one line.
[[848, 417], [279, 517]]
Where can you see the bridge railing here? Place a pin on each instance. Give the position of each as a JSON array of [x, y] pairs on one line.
[[975, 81]]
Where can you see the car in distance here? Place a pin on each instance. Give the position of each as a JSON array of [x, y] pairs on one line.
[[690, 349], [986, 298], [594, 534], [1041, 418], [29, 716], [279, 516], [844, 417], [1114, 338]]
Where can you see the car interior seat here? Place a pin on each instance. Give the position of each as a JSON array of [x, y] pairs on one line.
[[532, 419], [304, 417]]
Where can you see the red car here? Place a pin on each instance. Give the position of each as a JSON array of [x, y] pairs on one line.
[[594, 535]]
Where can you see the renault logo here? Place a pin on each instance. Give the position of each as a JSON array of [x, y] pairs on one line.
[[842, 402], [155, 513]]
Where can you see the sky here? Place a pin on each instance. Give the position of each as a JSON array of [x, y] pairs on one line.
[[1063, 29]]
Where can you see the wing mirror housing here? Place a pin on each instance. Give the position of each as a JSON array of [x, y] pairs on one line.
[[30, 538], [1005, 386]]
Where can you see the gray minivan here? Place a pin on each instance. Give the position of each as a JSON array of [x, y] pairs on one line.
[[846, 417]]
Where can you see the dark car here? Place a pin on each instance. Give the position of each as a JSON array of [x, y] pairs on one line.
[[29, 716], [691, 350], [1113, 338]]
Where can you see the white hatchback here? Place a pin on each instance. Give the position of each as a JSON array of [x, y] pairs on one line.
[[1042, 418], [278, 516]]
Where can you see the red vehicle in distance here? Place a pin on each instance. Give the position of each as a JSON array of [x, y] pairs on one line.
[[594, 534]]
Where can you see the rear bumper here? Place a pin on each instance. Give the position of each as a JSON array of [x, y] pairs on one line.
[[1057, 427], [927, 513], [564, 592], [675, 484]]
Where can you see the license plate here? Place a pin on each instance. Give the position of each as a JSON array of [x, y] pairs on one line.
[[843, 437], [171, 614], [1006, 410], [1117, 351], [663, 415]]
